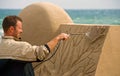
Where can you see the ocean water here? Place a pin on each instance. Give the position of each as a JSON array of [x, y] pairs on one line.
[[78, 16], [95, 16]]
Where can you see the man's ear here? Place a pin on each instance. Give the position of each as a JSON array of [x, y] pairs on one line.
[[11, 29]]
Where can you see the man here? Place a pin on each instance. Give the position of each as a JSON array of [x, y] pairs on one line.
[[15, 55]]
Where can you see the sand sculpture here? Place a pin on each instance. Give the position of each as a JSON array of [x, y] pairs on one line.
[[78, 56], [41, 21]]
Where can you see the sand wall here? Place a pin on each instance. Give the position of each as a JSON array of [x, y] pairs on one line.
[[109, 63]]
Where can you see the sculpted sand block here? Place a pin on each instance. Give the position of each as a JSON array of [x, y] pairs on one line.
[[79, 55]]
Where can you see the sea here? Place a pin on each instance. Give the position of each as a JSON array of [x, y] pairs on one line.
[[79, 16]]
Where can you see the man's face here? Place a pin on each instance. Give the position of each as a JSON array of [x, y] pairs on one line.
[[18, 30]]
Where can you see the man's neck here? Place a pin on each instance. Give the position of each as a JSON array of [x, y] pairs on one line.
[[8, 34]]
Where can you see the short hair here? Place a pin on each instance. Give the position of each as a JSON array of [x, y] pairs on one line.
[[10, 21]]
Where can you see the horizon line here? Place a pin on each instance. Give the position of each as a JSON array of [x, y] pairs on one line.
[[69, 8]]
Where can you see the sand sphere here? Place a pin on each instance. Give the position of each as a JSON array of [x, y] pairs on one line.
[[41, 21]]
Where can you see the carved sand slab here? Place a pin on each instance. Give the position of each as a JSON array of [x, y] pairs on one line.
[[79, 55]]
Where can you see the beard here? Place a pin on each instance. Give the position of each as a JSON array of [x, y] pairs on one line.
[[17, 36]]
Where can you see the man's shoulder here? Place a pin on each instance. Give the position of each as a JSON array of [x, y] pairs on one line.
[[22, 43]]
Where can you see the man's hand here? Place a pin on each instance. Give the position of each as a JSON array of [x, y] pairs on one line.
[[53, 42], [62, 36]]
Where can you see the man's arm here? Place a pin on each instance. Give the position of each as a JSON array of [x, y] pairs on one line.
[[11, 49]]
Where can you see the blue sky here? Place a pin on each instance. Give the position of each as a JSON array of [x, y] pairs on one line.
[[66, 4]]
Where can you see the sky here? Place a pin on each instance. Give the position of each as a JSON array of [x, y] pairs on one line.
[[66, 4]]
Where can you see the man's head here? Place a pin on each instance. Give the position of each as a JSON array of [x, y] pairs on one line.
[[12, 26]]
